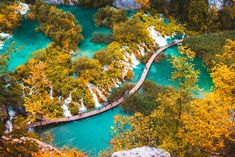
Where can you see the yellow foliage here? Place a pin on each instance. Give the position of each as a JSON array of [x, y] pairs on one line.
[[207, 124], [144, 3]]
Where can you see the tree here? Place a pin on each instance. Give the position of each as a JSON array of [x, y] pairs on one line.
[[144, 3], [9, 16], [187, 77], [161, 127], [179, 8], [62, 27], [108, 16], [198, 15], [207, 124], [37, 101], [210, 121], [227, 15]]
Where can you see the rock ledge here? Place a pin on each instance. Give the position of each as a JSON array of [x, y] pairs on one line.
[[145, 151]]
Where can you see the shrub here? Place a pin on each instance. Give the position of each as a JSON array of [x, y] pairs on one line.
[[108, 16], [73, 108], [102, 38], [207, 46]]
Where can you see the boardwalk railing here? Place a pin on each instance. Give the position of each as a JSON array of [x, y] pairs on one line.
[[114, 104]]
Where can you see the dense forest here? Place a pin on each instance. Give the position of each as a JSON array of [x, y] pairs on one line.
[[56, 77]]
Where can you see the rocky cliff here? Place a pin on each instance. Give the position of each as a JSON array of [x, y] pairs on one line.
[[145, 151]]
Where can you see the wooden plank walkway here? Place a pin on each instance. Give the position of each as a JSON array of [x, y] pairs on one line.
[[112, 105]]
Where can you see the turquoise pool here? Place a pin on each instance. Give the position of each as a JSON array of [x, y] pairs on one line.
[[85, 18], [28, 40]]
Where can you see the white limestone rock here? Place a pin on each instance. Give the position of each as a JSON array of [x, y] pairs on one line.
[[145, 151], [70, 2], [126, 4]]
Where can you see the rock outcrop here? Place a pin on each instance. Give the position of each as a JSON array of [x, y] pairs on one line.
[[145, 151], [65, 2], [126, 4]]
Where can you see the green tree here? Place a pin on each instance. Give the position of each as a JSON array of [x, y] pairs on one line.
[[198, 15]]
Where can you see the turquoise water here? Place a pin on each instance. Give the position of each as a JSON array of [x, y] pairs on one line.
[[90, 135], [29, 41], [85, 18], [160, 72]]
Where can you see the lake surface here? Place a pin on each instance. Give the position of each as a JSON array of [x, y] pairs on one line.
[[27, 41], [85, 18]]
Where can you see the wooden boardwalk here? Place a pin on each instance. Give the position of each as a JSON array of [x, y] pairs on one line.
[[114, 104]]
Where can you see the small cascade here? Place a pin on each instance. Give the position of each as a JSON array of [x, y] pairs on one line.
[[51, 93], [134, 60], [1, 44], [101, 95], [23, 8], [82, 108], [60, 98], [65, 106], [141, 51], [115, 83], [3, 37], [159, 39], [95, 98], [9, 125], [106, 68], [161, 17]]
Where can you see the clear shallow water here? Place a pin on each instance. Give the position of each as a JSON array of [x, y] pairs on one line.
[[85, 18], [29, 40], [90, 135]]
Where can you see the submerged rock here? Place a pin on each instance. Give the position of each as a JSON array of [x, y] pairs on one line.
[[126, 4], [145, 151]]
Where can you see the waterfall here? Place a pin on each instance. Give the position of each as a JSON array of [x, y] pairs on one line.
[[23, 88], [105, 68], [126, 67], [9, 125], [101, 95], [159, 39], [65, 106], [3, 37], [51, 93], [59, 98], [141, 51], [82, 108], [1, 44], [23, 8], [115, 83], [95, 98], [134, 60]]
